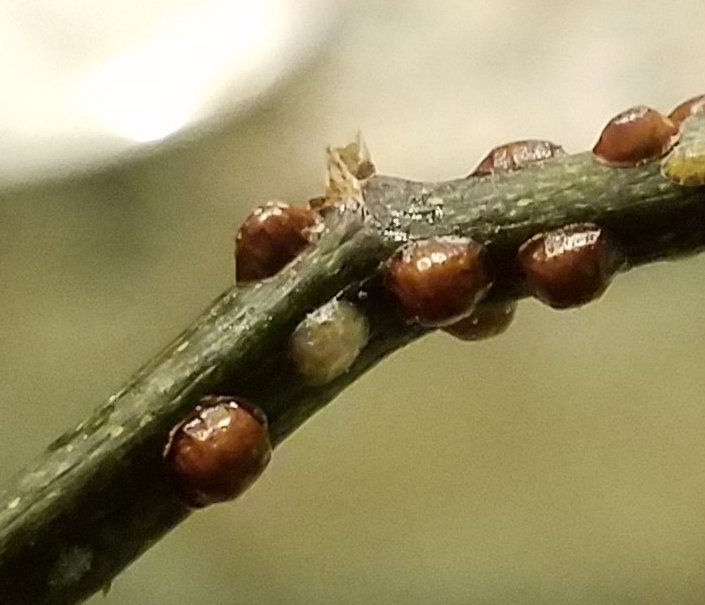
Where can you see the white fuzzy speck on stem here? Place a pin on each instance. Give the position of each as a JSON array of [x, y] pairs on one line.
[[71, 565]]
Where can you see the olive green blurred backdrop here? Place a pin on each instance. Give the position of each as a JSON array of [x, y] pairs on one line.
[[563, 462]]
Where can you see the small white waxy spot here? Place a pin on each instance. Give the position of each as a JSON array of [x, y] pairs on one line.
[[525, 201], [14, 503], [40, 477], [183, 346], [71, 565], [146, 419], [328, 341], [117, 431], [424, 264], [70, 448], [62, 467]]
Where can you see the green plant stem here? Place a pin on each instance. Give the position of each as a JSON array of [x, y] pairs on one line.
[[98, 496]]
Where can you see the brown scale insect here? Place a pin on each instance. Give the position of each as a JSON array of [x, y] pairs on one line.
[[439, 280], [634, 137], [688, 108], [570, 266], [217, 451], [270, 238], [491, 319], [486, 320], [515, 155]]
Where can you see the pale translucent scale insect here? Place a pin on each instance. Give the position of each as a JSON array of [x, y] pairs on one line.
[[328, 341]]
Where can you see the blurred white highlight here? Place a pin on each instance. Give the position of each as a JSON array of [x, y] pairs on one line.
[[154, 90], [85, 80]]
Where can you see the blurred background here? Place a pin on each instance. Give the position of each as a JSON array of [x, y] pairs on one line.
[[563, 462]]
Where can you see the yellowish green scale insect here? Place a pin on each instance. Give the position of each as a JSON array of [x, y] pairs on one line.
[[685, 165], [328, 341]]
